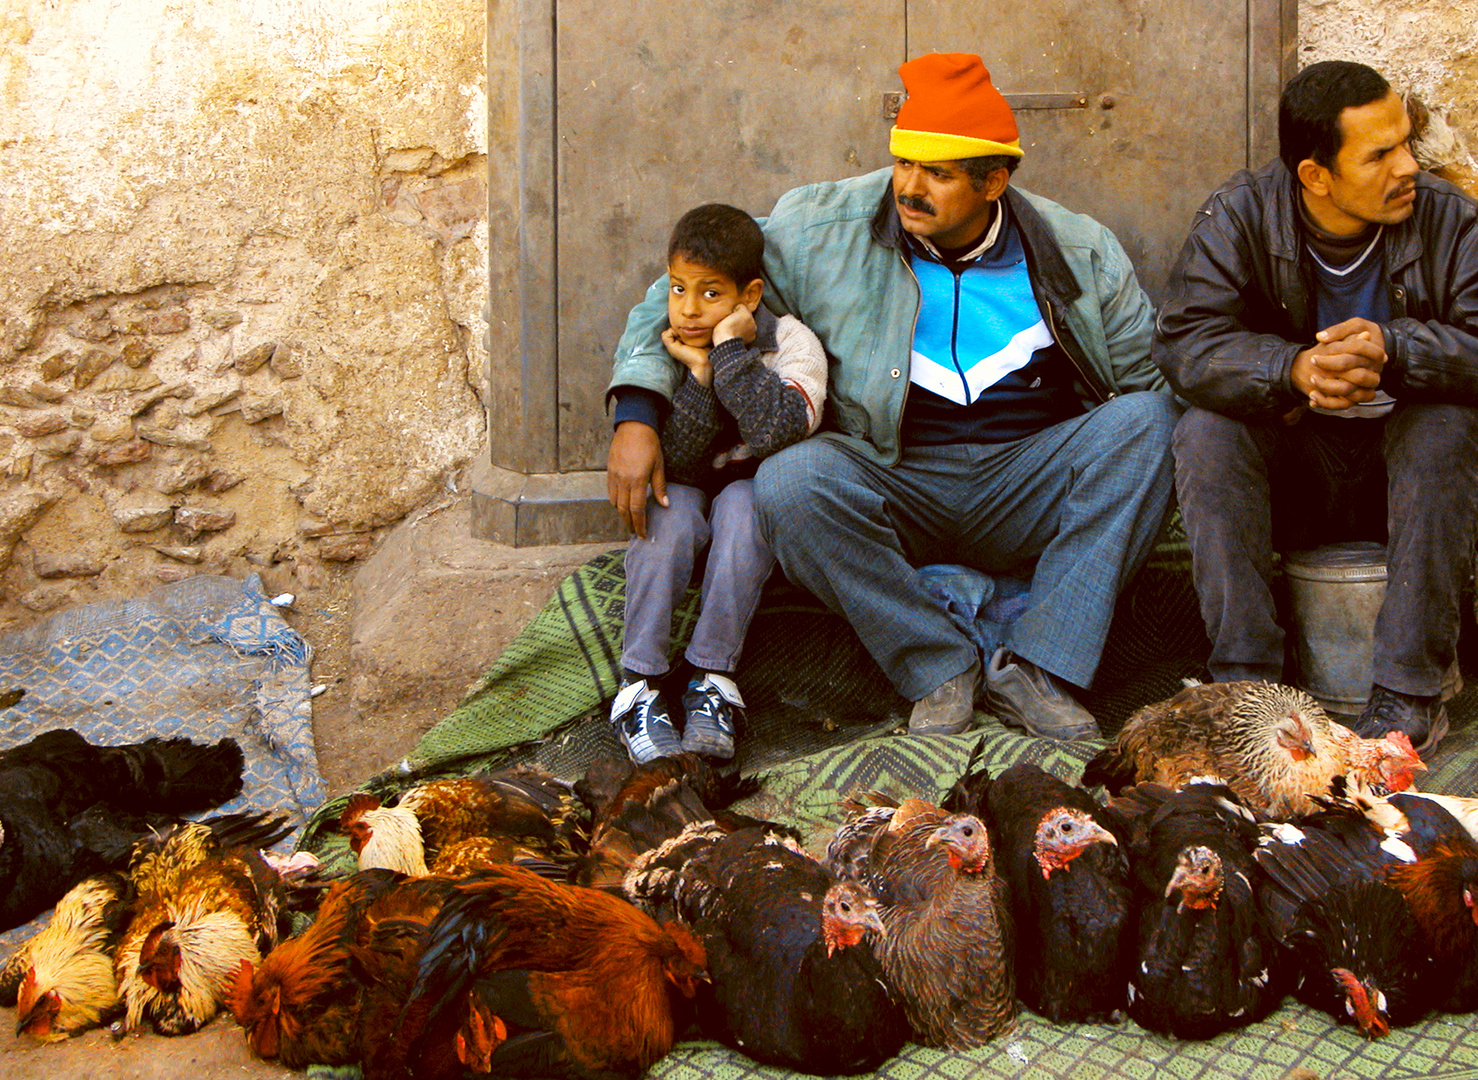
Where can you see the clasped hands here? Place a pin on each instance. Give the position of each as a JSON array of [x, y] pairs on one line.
[[1344, 368]]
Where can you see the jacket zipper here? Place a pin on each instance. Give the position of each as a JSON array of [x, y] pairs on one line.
[[1088, 380], [917, 307]]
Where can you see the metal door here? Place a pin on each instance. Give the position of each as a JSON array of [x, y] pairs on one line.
[[627, 115]]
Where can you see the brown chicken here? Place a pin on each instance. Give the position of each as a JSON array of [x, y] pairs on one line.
[[207, 900], [301, 1004], [526, 977], [61, 980], [948, 944], [1273, 745], [636, 809], [534, 812]]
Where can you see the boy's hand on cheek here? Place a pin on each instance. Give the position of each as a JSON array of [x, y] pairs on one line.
[[737, 324], [689, 356]]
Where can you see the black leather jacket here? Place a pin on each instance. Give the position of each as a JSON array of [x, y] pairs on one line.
[[1241, 300]]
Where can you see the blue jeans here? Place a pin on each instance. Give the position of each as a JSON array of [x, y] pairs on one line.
[[1083, 500], [1409, 480], [659, 568]]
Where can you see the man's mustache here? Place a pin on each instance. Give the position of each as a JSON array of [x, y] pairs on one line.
[[1406, 189], [915, 202]]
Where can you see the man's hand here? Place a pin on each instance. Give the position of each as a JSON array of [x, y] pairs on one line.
[[634, 463], [739, 323], [1344, 368], [689, 356]]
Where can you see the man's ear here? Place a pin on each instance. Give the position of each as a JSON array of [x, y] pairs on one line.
[[1313, 176], [995, 183], [750, 295]]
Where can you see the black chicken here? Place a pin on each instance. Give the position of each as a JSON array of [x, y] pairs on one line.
[[69, 809], [1204, 960], [795, 981], [1069, 889], [1357, 952]]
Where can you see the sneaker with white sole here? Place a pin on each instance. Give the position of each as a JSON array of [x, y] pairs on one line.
[[643, 723], [712, 712]]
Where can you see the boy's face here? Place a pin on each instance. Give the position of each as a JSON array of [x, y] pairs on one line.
[[699, 298]]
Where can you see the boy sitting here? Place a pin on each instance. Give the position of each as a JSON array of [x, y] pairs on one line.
[[752, 385]]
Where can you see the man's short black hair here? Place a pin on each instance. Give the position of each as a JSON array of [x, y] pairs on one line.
[[978, 169], [722, 238], [1308, 112]]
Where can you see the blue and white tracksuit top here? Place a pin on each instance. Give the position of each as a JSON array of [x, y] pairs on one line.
[[984, 367]]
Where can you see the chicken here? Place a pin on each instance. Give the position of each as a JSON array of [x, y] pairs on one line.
[[1359, 953], [535, 812], [389, 941], [1204, 962], [795, 982], [69, 809], [1069, 889], [61, 979], [207, 900], [526, 977], [1273, 745], [947, 947], [1430, 858], [636, 809], [301, 1004]]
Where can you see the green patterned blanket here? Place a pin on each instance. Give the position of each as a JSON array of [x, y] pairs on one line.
[[823, 722]]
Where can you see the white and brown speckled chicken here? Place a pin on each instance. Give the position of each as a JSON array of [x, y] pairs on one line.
[[948, 946], [1273, 745], [61, 979], [533, 813], [206, 901]]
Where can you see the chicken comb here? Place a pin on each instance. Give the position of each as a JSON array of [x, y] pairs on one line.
[[359, 804]]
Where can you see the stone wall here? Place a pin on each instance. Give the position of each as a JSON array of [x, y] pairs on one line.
[[244, 262], [1427, 50], [244, 265]]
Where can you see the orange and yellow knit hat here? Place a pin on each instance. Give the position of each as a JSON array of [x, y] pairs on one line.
[[953, 111]]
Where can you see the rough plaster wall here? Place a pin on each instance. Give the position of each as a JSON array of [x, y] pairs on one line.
[[1425, 48], [242, 270]]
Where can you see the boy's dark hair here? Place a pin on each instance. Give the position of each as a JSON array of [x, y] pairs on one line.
[[1308, 111], [722, 238]]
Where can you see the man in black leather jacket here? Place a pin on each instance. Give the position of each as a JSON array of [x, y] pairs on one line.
[[1323, 325]]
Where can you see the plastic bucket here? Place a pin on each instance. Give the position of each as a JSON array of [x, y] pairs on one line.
[[1335, 593]]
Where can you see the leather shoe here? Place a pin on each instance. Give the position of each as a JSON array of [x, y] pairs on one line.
[[950, 708], [1025, 696], [1423, 719]]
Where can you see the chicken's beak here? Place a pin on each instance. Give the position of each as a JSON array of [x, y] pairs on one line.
[[1098, 834], [874, 922]]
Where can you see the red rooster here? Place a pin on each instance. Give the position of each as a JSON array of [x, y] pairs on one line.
[[524, 976], [207, 900], [61, 980], [948, 943], [301, 1004]]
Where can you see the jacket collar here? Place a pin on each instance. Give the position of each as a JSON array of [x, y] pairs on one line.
[[1050, 271], [1403, 242]]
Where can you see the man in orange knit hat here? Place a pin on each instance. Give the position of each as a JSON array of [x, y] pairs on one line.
[[992, 403]]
